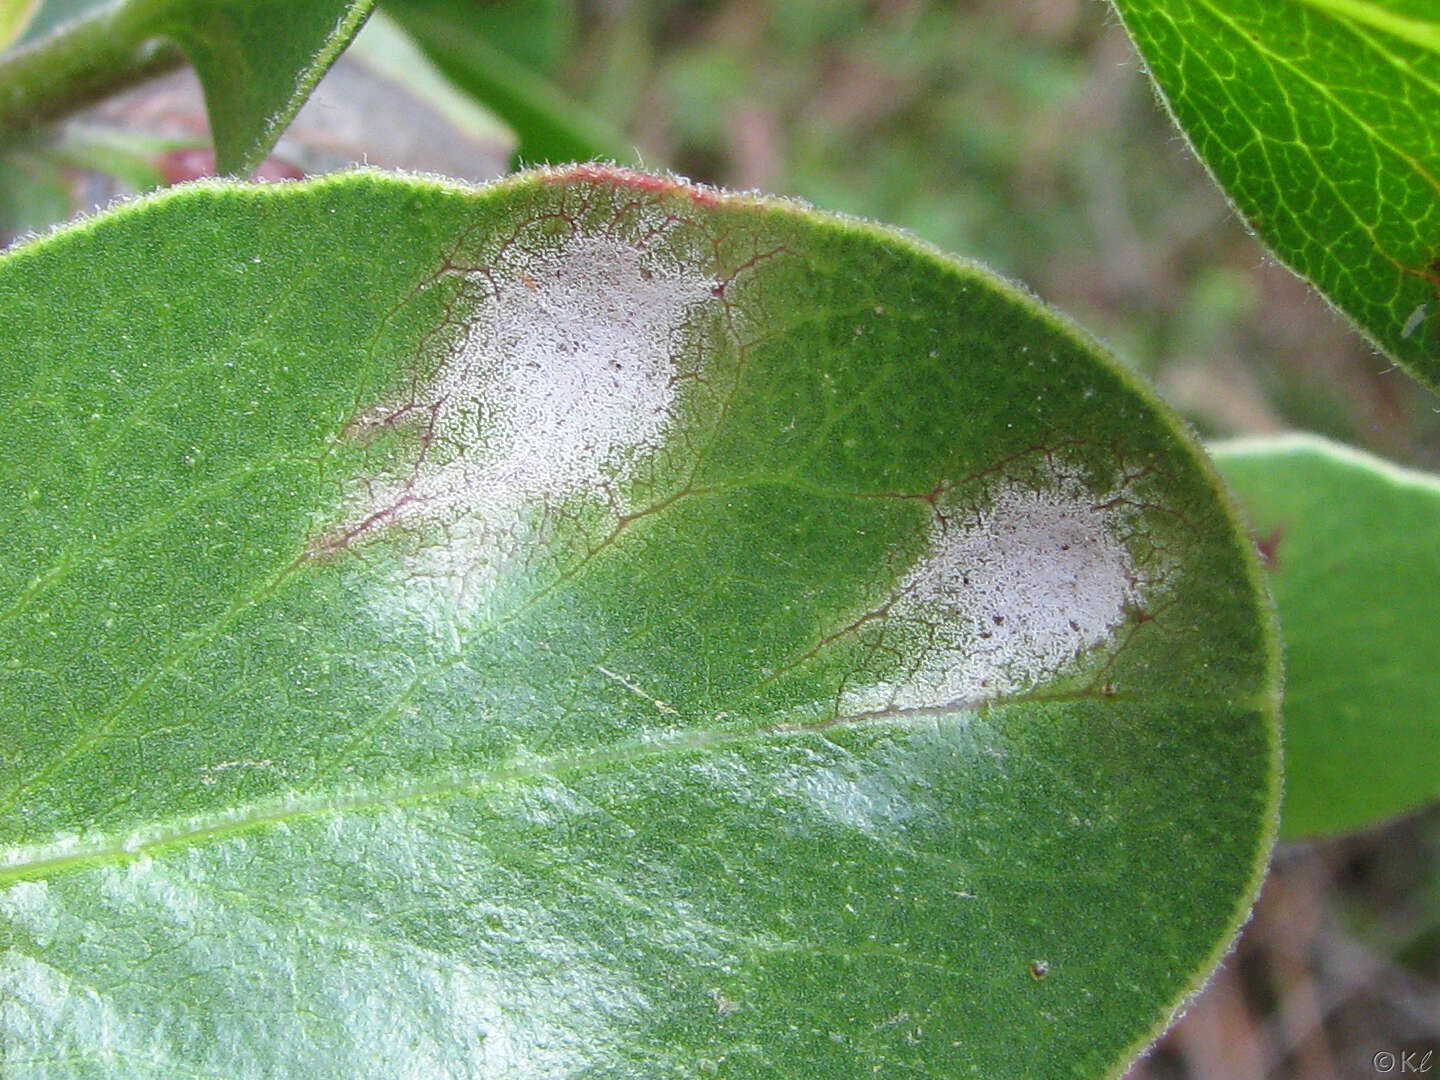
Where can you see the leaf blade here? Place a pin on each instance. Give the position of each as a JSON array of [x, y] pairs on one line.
[[552, 127], [15, 15], [607, 825], [258, 64]]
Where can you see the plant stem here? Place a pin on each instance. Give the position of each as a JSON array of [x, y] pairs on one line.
[[81, 63]]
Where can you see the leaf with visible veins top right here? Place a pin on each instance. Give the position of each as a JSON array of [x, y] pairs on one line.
[[1321, 120], [594, 625]]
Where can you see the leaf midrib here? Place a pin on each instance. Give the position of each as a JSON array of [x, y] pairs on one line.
[[30, 862]]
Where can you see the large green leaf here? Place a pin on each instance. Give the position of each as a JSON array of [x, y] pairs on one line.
[[595, 625], [1321, 120], [1354, 550], [257, 60]]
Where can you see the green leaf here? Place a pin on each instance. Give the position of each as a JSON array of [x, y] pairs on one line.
[[537, 34], [1355, 568], [15, 15], [48, 15], [257, 60], [387, 51], [33, 192], [593, 624], [469, 44], [1321, 120]]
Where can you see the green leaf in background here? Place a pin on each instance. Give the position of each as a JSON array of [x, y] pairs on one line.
[[391, 54], [33, 192], [257, 60], [1321, 120], [15, 15], [539, 34], [593, 624], [1354, 550], [46, 16], [482, 49]]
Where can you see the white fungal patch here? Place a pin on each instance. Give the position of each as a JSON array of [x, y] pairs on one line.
[[1002, 601], [574, 358], [566, 374]]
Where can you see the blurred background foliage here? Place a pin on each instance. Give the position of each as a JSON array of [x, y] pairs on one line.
[[1020, 134]]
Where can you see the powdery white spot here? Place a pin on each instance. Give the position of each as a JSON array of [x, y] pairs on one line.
[[877, 794], [27, 905], [566, 374], [1003, 601], [38, 1004], [867, 801]]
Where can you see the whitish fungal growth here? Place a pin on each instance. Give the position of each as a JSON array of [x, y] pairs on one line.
[[566, 372], [1007, 598]]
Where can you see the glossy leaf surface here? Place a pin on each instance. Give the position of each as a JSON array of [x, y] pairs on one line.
[[1354, 549], [1321, 120], [595, 625]]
